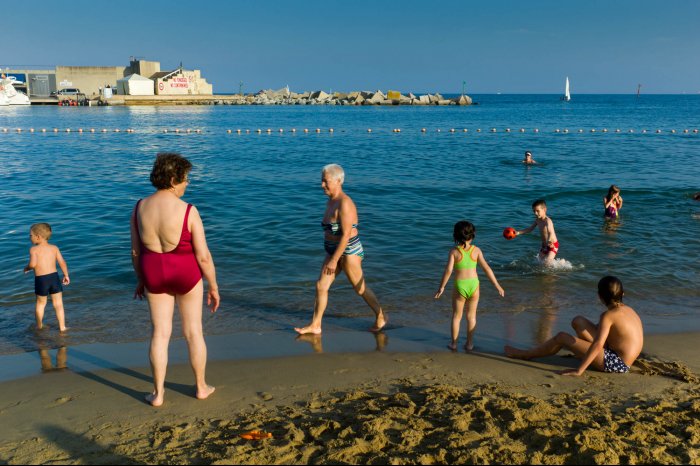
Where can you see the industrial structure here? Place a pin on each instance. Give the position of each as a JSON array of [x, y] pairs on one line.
[[125, 80]]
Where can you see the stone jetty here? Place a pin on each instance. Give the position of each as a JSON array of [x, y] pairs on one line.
[[286, 97]]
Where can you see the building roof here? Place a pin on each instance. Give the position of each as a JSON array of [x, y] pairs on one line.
[[134, 77]]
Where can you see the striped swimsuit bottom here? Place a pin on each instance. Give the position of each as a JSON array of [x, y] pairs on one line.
[[354, 247]]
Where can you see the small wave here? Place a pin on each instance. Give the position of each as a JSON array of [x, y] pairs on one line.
[[537, 266]]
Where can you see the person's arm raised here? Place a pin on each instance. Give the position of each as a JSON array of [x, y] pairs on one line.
[[204, 259], [526, 230]]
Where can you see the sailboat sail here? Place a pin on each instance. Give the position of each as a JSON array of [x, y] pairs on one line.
[[567, 95]]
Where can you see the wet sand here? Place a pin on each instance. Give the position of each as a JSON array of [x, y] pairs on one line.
[[365, 408]]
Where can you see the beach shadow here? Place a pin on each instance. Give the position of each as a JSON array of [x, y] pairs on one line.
[[520, 362], [78, 447], [187, 390]]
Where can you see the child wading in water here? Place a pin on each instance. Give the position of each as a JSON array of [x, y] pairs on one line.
[[463, 258], [42, 259], [550, 244], [612, 202]]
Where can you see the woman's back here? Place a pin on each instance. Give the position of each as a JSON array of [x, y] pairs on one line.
[[160, 222]]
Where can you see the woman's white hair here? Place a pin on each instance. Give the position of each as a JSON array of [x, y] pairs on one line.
[[335, 170]]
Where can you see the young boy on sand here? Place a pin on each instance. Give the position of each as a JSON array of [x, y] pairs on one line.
[[550, 244], [611, 346], [463, 258], [42, 259]]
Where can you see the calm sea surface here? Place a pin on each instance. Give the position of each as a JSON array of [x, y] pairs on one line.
[[261, 202]]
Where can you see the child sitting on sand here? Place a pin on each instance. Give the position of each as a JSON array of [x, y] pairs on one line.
[[612, 202], [42, 259], [611, 346], [463, 258], [550, 244]]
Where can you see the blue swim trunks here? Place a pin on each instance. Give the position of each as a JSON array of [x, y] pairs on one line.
[[614, 363], [45, 285]]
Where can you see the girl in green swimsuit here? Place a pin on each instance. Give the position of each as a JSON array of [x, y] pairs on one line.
[[463, 258]]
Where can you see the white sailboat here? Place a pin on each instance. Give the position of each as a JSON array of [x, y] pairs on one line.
[[567, 96]]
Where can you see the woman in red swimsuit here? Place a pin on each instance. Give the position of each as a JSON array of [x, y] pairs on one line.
[[170, 257]]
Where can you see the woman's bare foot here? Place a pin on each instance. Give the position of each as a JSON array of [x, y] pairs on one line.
[[309, 329], [469, 347], [515, 353], [64, 329], [379, 324], [452, 346], [203, 394], [154, 399]]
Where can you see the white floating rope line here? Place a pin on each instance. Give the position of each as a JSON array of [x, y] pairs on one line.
[[33, 130]]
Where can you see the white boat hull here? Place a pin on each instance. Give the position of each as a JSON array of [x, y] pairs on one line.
[[19, 99]]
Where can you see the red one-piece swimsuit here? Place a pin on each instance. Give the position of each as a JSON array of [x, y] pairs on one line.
[[174, 272]]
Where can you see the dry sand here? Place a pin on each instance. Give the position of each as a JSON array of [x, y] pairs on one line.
[[365, 409]]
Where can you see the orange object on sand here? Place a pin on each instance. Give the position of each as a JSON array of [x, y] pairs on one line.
[[256, 435]]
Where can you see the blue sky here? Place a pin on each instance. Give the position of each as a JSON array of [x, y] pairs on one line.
[[420, 46]]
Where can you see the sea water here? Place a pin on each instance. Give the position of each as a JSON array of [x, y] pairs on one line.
[[261, 202]]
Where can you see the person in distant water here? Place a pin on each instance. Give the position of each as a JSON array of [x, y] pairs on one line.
[[42, 259], [528, 160], [463, 258], [550, 244], [170, 255], [696, 196], [612, 345], [344, 250], [612, 202]]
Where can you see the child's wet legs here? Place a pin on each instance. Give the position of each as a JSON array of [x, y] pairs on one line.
[[57, 301], [39, 311]]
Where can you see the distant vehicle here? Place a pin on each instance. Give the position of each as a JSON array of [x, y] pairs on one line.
[[68, 91]]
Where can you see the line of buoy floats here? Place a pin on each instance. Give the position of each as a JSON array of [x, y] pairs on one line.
[[331, 130]]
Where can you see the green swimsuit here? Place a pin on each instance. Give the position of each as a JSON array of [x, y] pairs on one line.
[[466, 286]]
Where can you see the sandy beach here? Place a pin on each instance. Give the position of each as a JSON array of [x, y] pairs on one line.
[[365, 408]]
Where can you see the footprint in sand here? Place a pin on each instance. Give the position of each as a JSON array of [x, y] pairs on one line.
[[62, 400]]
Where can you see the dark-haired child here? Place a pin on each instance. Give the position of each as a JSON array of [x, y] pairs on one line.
[[463, 258], [550, 244], [612, 202], [611, 346]]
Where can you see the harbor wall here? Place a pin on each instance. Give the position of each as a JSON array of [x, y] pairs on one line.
[[89, 79]]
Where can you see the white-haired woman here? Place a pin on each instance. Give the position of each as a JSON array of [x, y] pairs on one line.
[[344, 250]]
